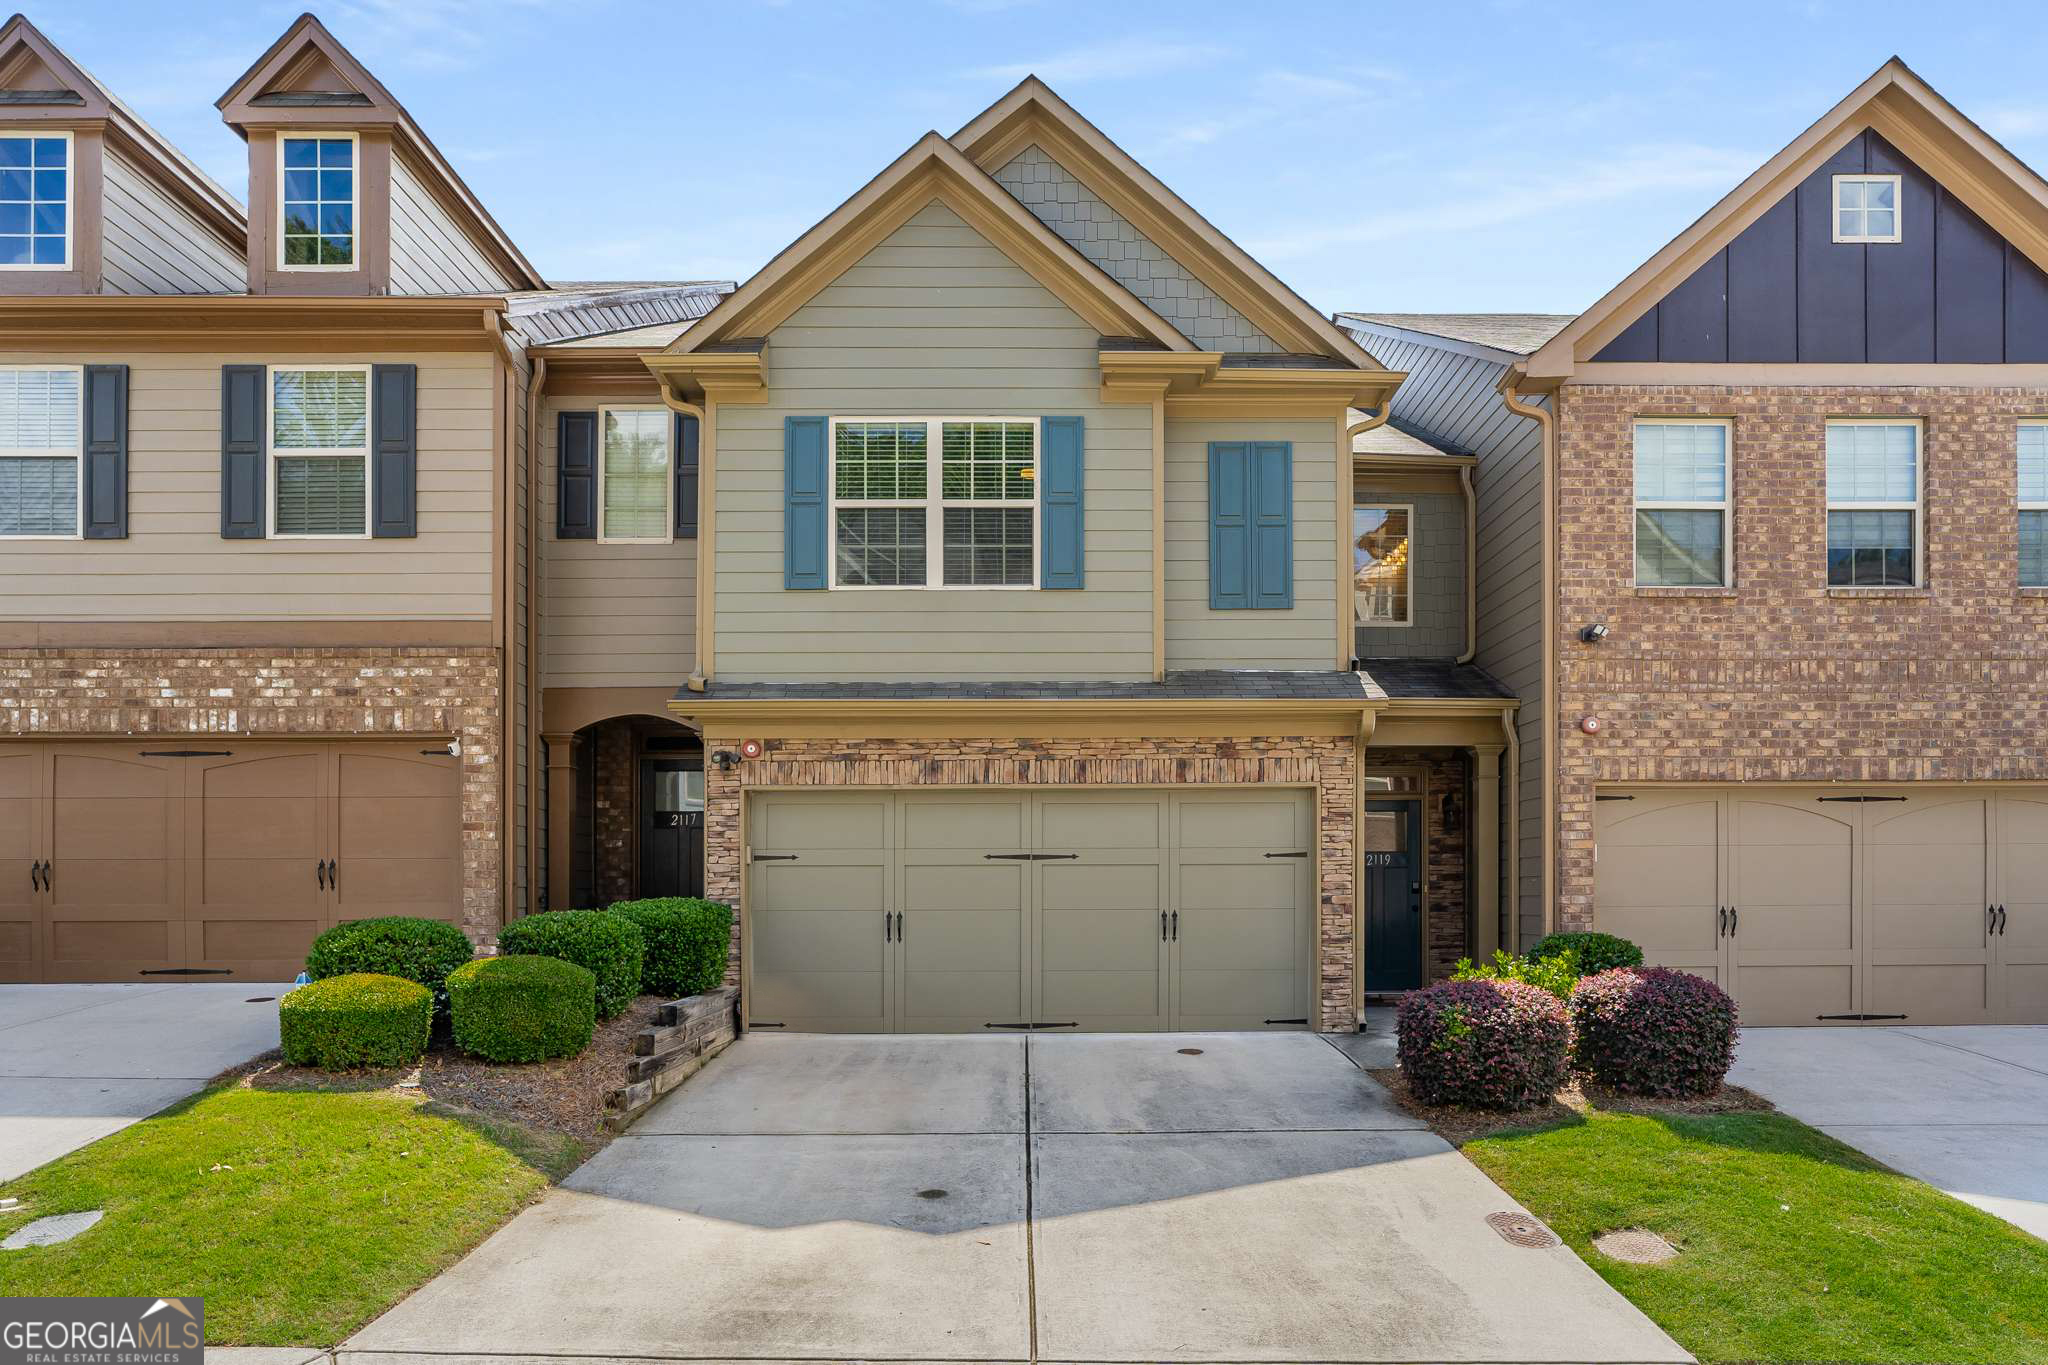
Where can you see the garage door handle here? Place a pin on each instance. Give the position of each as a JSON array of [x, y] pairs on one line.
[[1721, 922], [1176, 926], [320, 874], [2001, 921], [1734, 920]]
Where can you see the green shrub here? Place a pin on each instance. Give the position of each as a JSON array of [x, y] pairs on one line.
[[361, 1019], [1554, 974], [610, 946], [686, 943], [1592, 953], [422, 950], [522, 1009]]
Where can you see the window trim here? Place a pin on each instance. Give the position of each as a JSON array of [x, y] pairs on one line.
[[934, 504], [77, 461], [271, 456], [1919, 425], [1865, 178], [2021, 504], [355, 201], [1408, 597], [70, 206], [1726, 507], [668, 485]]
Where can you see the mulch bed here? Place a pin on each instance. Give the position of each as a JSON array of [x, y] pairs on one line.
[[1458, 1125]]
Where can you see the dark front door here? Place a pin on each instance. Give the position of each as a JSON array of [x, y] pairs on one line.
[[1393, 895], [671, 827]]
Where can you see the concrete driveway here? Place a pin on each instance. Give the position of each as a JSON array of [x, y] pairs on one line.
[[1187, 1197], [1964, 1109], [80, 1062]]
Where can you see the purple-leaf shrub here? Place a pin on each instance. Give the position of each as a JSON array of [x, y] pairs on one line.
[[1653, 1031], [1487, 1044]]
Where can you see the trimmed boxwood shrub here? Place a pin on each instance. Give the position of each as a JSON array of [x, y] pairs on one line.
[[422, 950], [1591, 953], [522, 1009], [361, 1019], [610, 946], [1653, 1031], [1553, 974], [686, 943], [1487, 1044]]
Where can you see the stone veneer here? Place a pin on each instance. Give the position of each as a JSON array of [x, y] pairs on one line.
[[1781, 679], [79, 693], [1325, 762]]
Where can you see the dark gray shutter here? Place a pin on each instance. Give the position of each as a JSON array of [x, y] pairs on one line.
[[686, 477], [394, 450], [241, 452], [106, 452], [1062, 534], [576, 476], [804, 556]]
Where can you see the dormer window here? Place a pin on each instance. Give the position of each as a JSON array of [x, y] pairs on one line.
[[316, 201], [1866, 208], [35, 201]]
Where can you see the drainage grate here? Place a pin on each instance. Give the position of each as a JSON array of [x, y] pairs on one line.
[[1519, 1229], [47, 1232], [1638, 1246]]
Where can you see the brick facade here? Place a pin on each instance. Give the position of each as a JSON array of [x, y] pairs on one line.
[[1327, 763], [281, 693], [613, 875], [1781, 679]]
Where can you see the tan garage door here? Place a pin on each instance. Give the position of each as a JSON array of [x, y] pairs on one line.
[[1090, 910], [171, 859], [1832, 906]]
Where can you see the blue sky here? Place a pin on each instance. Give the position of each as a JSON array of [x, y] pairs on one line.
[[1468, 155]]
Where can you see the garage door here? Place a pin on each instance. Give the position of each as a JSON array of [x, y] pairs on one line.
[[138, 860], [1087, 910], [1825, 906]]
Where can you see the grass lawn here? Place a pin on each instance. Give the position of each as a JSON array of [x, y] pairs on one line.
[[1794, 1247], [298, 1215]]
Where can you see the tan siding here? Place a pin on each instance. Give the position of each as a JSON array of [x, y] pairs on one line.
[[612, 615], [152, 245], [174, 566], [429, 253], [1305, 635], [935, 321]]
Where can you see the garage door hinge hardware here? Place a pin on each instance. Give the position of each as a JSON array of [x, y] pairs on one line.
[[186, 971], [774, 857], [1287, 1021], [759, 1023], [1862, 1016], [1029, 857], [1303, 853], [187, 753], [1604, 797], [1859, 799], [1069, 1024]]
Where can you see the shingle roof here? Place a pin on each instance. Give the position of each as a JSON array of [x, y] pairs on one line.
[[1433, 679], [1209, 684], [1519, 333], [553, 316], [1391, 438]]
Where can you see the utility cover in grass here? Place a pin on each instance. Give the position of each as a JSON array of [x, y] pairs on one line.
[[1638, 1246], [47, 1232]]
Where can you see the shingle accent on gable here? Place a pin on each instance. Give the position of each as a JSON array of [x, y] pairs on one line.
[[1129, 257]]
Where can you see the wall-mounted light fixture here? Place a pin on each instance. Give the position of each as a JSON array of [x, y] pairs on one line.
[[725, 759], [1593, 634]]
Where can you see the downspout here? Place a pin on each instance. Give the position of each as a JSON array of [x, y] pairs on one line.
[[536, 379], [1546, 422], [1471, 566], [696, 681], [1511, 873]]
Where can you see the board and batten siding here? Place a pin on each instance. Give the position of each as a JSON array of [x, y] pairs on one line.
[[429, 253], [934, 322], [152, 244], [1436, 576], [174, 565], [1449, 397], [1301, 636], [611, 615]]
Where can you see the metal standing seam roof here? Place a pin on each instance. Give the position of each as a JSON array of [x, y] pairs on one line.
[[1516, 333], [572, 313]]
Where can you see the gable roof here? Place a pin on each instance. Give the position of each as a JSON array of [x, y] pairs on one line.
[[932, 169], [1510, 333], [1032, 113], [615, 312], [1903, 109], [308, 76]]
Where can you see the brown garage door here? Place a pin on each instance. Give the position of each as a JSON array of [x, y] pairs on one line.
[[172, 859], [1825, 905]]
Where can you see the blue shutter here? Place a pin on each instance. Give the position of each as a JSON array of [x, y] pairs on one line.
[[1062, 527], [1251, 525], [241, 452], [803, 503], [576, 476], [686, 477], [394, 452], [106, 452]]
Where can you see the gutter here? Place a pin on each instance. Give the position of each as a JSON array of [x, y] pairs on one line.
[[1546, 421]]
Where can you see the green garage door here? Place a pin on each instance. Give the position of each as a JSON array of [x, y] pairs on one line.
[[1091, 910]]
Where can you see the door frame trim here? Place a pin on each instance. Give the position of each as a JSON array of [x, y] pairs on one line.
[[1363, 916]]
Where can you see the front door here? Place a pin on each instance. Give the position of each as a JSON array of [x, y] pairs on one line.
[[1393, 896], [671, 827]]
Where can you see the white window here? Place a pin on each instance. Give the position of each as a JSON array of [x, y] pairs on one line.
[[1381, 540], [2033, 481], [35, 201], [934, 502], [633, 476], [41, 435], [1867, 208], [1873, 504], [320, 451], [1682, 523], [316, 201]]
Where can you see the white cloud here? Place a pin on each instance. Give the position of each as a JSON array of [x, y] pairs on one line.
[[2018, 120], [430, 35], [1119, 60]]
